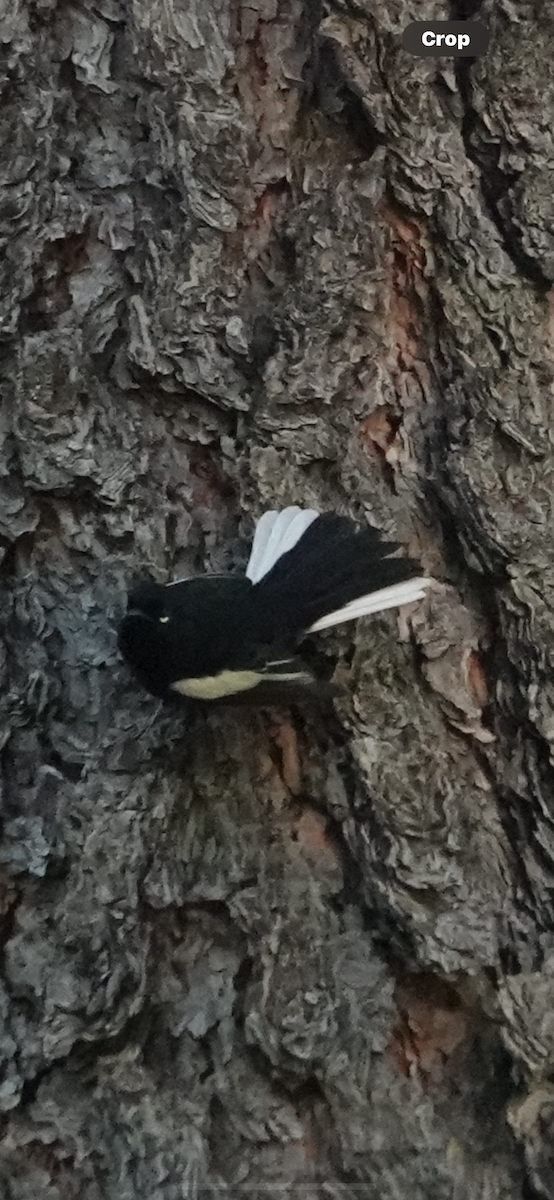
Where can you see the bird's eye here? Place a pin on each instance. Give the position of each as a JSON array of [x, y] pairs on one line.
[[164, 620]]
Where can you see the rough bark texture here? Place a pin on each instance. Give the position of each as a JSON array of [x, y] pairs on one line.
[[255, 253]]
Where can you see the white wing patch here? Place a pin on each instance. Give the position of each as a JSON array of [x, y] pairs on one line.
[[275, 534], [389, 597]]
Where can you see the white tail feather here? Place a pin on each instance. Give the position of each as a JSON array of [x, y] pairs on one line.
[[389, 597], [275, 534]]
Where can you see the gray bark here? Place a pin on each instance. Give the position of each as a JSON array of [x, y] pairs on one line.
[[255, 254]]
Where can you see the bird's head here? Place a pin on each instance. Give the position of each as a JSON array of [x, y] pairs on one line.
[[147, 603], [142, 639]]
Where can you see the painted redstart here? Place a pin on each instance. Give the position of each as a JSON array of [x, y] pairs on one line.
[[225, 637]]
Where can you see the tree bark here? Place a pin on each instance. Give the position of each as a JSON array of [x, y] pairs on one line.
[[257, 254]]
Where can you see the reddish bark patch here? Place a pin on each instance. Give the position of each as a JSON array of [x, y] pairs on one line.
[[408, 293], [284, 736], [270, 55], [308, 1146], [210, 484], [259, 234], [431, 1024], [310, 833], [269, 92], [378, 432], [476, 680]]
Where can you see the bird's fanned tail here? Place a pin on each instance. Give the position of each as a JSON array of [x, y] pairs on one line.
[[333, 573], [275, 534], [375, 602]]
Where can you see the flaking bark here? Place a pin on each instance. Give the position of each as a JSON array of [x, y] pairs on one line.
[[255, 254]]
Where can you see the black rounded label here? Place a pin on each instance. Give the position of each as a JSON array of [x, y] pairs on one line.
[[450, 39]]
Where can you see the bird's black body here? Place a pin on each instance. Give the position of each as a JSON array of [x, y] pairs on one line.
[[225, 637], [193, 641]]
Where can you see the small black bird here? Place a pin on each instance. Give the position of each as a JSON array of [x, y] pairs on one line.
[[224, 637]]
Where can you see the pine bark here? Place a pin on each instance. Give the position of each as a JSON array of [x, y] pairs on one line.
[[257, 254]]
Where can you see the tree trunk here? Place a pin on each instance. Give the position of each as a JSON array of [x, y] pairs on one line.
[[257, 254]]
